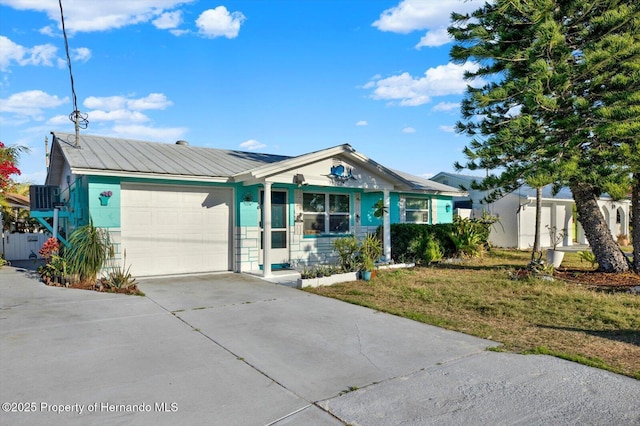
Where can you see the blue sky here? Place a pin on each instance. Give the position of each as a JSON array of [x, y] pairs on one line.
[[277, 76]]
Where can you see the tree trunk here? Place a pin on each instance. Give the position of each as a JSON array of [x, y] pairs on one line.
[[635, 220], [536, 239], [606, 250]]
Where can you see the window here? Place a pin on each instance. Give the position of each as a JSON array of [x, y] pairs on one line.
[[325, 213], [417, 210]]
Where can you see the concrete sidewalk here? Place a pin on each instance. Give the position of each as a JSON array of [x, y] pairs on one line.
[[235, 350]]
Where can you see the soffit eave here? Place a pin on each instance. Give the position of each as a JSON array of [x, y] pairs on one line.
[[139, 175]]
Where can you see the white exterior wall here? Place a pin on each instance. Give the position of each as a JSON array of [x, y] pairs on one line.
[[612, 210], [504, 233], [247, 249]]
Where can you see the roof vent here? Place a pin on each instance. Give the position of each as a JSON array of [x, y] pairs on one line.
[[181, 142]]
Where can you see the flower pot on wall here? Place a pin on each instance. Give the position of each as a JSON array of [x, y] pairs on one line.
[[554, 257], [104, 197]]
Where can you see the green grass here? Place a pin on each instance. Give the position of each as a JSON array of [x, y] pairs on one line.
[[530, 315]]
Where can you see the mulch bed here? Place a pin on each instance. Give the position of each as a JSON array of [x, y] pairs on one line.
[[96, 287], [599, 280]]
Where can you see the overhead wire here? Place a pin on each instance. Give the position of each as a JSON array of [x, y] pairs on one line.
[[80, 120]]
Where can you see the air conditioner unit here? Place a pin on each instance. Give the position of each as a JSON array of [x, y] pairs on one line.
[[44, 197]]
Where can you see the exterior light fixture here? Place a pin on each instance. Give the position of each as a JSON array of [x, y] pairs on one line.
[[298, 179]]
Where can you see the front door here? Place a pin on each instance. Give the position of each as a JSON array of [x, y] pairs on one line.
[[279, 228]]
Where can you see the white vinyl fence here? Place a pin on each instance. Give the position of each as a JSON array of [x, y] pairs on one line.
[[18, 246]]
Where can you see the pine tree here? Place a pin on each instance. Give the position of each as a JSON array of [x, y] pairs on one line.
[[563, 86]]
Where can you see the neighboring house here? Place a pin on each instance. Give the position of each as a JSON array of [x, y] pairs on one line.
[[175, 208], [19, 239], [517, 213]]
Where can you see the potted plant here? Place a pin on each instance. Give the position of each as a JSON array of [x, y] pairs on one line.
[[370, 252], [555, 257]]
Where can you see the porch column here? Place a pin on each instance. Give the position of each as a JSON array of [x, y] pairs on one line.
[[266, 230], [386, 226]]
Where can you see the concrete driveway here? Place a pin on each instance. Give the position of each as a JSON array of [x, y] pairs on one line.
[[235, 350]]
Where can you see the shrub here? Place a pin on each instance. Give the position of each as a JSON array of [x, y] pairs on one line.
[[120, 277], [588, 256], [348, 251], [408, 240], [464, 237], [89, 248], [467, 237], [370, 251], [431, 251], [49, 248]]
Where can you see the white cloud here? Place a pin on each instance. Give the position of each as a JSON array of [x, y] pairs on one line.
[[407, 90], [58, 120], [125, 111], [434, 38], [434, 16], [10, 52], [408, 130], [168, 20], [252, 145], [106, 102], [179, 33], [219, 22], [118, 115], [81, 54], [48, 31], [30, 103], [86, 16], [446, 106], [39, 55], [362, 123], [111, 103], [153, 101], [447, 129], [164, 134]]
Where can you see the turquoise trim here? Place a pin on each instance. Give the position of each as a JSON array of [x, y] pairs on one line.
[[342, 235], [277, 266], [50, 229], [104, 215]]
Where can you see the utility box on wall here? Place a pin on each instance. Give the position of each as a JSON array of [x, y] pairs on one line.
[[43, 197]]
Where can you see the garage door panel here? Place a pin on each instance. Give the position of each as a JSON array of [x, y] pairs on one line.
[[173, 229]]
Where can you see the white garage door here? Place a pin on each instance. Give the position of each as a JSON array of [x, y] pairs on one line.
[[176, 229]]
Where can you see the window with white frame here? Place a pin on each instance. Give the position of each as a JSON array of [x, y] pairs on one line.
[[325, 213], [416, 210]]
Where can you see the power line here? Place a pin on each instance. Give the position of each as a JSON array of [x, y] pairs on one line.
[[79, 119]]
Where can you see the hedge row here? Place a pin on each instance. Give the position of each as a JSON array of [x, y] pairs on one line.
[[404, 237]]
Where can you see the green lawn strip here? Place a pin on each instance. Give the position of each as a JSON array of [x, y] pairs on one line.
[[479, 298]]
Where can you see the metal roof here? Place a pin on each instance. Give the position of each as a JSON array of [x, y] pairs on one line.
[[422, 184], [115, 156], [525, 191], [128, 155]]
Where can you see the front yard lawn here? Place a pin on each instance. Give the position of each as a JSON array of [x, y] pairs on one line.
[[527, 315]]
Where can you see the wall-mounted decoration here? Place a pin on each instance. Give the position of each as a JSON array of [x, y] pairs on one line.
[[247, 198], [341, 174], [104, 197]]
